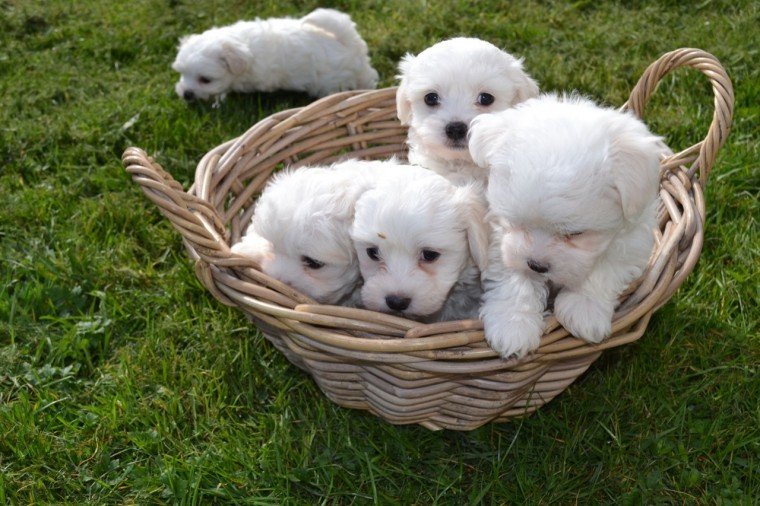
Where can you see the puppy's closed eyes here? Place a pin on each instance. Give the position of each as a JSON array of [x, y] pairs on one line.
[[572, 196]]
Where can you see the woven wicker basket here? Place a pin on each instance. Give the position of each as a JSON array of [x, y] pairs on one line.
[[440, 375]]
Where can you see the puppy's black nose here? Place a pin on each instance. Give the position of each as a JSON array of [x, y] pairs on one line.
[[456, 130], [538, 267], [397, 303], [188, 95]]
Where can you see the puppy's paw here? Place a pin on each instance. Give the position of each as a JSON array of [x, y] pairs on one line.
[[583, 316], [513, 334], [217, 103], [254, 247]]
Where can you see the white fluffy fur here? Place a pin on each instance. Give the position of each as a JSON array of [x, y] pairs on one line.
[[411, 211], [319, 54], [307, 214], [573, 190], [458, 71]]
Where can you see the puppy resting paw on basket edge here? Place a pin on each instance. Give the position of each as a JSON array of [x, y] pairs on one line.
[[573, 201], [439, 375]]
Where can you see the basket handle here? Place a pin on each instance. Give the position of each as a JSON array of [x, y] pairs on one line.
[[199, 223], [703, 153]]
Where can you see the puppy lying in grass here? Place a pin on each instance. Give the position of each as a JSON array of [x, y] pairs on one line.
[[319, 54]]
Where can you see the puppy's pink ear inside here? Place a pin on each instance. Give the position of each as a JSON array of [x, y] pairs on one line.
[[403, 105], [233, 58], [474, 209], [403, 100], [525, 86], [635, 166]]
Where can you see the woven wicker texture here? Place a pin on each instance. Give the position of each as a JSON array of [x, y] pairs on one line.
[[440, 375]]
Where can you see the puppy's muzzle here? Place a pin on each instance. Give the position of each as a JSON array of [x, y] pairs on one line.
[[456, 131], [397, 303], [188, 95], [538, 267]]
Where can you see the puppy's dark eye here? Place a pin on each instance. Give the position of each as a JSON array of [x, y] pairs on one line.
[[432, 99], [573, 235], [485, 99], [204, 80], [310, 263], [373, 253], [429, 255]]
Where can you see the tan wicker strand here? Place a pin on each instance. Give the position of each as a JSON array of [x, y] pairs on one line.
[[722, 91], [440, 375]]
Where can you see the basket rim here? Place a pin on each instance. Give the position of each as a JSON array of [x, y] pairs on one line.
[[418, 337], [463, 383]]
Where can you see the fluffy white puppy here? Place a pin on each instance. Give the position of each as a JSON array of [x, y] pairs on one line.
[[299, 232], [421, 242], [319, 54], [443, 88], [573, 196]]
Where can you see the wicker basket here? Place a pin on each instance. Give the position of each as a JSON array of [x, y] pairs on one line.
[[440, 375]]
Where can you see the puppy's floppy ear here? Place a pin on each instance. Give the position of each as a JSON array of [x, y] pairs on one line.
[[233, 57], [474, 208], [483, 133], [526, 87], [403, 100], [634, 163]]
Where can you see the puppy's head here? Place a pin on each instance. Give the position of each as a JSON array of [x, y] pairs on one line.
[[567, 178], [300, 232], [415, 234], [208, 64], [444, 87]]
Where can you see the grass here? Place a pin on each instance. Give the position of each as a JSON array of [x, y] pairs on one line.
[[123, 381]]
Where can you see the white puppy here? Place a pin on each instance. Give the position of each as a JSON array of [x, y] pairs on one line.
[[443, 88], [573, 196], [299, 233], [421, 242], [319, 54]]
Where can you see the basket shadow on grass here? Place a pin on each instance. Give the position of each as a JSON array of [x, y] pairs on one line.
[[251, 106]]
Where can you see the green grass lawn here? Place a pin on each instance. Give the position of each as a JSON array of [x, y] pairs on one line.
[[123, 381]]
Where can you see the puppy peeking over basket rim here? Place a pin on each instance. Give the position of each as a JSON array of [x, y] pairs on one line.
[[440, 375]]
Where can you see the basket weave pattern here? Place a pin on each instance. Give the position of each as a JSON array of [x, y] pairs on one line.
[[440, 375]]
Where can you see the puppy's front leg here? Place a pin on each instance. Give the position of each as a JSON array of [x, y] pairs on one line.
[[217, 103], [512, 313], [586, 311]]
